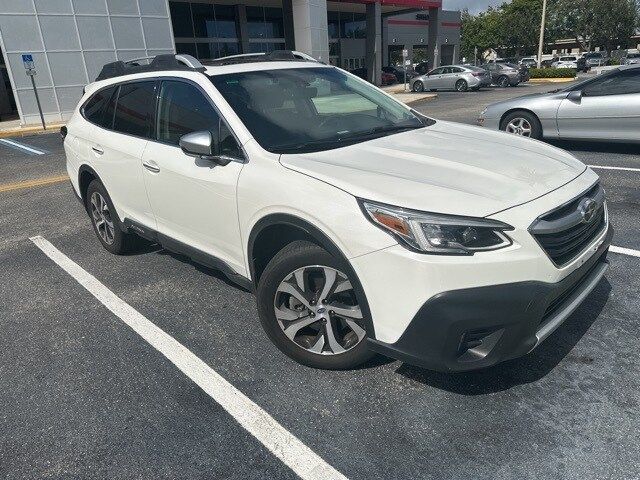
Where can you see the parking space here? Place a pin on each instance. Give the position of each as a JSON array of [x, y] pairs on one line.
[[83, 395]]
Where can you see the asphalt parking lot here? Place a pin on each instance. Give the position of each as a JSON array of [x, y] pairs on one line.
[[82, 395]]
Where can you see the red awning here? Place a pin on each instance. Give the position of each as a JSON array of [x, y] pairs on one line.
[[423, 4]]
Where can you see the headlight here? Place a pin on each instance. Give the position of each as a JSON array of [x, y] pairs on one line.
[[435, 233]]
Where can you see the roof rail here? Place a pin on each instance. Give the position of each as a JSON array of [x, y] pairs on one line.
[[155, 64], [275, 56]]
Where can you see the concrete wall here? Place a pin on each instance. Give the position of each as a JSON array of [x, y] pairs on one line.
[[70, 40]]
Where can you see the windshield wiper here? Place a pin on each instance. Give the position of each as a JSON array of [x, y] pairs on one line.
[[341, 140]]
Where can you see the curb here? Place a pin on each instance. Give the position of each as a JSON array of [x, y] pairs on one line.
[[424, 98], [552, 80], [24, 131]]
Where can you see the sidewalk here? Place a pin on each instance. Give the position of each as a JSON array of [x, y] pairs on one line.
[[408, 97], [12, 128]]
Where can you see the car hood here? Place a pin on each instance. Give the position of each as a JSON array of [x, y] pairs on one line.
[[445, 168]]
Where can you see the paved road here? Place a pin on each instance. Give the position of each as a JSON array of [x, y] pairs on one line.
[[83, 396]]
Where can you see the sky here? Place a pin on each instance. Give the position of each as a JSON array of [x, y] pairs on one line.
[[474, 6]]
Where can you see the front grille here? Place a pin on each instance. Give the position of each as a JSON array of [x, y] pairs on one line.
[[564, 234]]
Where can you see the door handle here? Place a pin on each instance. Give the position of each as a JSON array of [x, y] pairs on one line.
[[151, 166], [97, 150]]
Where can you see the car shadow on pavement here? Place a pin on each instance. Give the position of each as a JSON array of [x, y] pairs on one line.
[[530, 368], [599, 147]]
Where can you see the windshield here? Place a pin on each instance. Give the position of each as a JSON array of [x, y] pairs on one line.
[[311, 109], [633, 55]]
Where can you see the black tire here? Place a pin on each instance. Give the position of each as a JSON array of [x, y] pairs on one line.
[[418, 86], [122, 242], [294, 256], [536, 127], [503, 81], [462, 86]]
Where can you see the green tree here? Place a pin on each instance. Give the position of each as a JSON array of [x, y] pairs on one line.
[[480, 31], [596, 23]]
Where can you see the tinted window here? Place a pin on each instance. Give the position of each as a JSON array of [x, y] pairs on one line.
[[95, 108], [228, 144], [183, 109], [623, 83], [135, 108]]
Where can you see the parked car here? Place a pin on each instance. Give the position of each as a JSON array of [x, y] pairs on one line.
[[567, 61], [338, 216], [582, 65], [523, 70], [529, 62], [387, 78], [596, 59], [452, 77], [502, 75], [548, 63], [422, 68], [604, 108], [398, 73], [632, 59]]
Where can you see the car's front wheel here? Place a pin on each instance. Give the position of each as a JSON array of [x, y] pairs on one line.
[[524, 124], [418, 86], [310, 310]]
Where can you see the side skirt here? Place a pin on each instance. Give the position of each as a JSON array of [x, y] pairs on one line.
[[194, 254]]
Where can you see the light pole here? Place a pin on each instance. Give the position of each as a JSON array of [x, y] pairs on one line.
[[542, 22]]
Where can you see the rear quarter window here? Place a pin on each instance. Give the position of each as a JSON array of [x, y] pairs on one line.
[[95, 110]]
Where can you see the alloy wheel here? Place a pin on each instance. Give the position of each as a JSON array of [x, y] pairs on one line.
[[519, 126], [418, 86], [462, 86], [316, 308], [102, 218]]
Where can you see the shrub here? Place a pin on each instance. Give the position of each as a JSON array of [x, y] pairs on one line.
[[552, 72]]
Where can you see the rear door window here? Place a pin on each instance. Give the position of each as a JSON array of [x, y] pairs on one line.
[[135, 109]]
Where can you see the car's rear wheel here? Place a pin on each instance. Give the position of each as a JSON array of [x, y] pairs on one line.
[[524, 124], [106, 223], [462, 86], [310, 310], [418, 86], [503, 81]]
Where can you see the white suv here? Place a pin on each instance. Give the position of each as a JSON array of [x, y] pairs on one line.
[[361, 225]]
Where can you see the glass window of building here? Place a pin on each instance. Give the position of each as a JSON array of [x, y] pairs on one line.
[[204, 21], [181, 19], [333, 24], [226, 23], [265, 22]]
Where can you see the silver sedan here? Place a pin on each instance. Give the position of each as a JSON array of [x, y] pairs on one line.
[[452, 77], [605, 108]]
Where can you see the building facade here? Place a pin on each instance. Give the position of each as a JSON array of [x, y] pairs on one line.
[[70, 40]]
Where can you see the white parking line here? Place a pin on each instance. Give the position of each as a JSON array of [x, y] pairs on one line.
[[13, 143], [625, 251], [625, 169], [283, 444]]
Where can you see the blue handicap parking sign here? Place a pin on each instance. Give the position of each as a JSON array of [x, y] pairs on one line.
[[27, 59]]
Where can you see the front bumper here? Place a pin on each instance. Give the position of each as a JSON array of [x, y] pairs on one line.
[[479, 327]]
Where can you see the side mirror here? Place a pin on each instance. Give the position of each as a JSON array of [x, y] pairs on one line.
[[575, 96], [201, 145]]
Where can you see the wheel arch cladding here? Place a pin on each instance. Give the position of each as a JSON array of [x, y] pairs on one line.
[[86, 175], [273, 232]]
